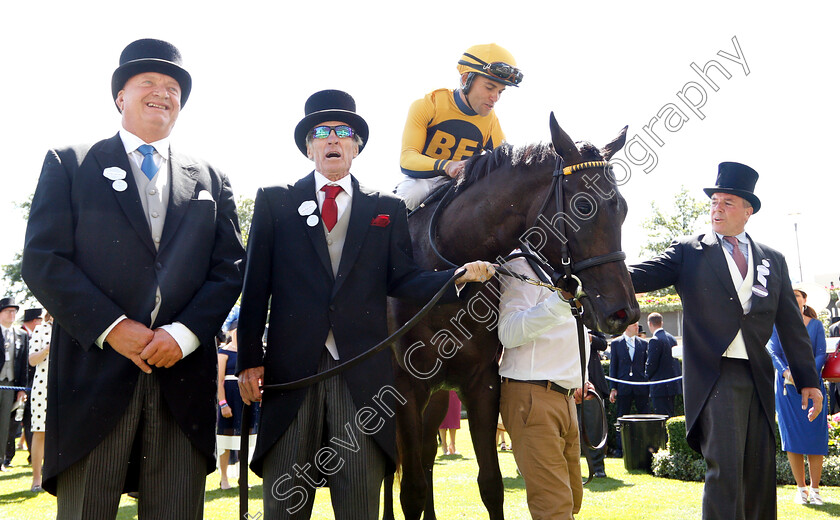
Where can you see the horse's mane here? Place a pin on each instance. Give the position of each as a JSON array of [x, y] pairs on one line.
[[507, 155]]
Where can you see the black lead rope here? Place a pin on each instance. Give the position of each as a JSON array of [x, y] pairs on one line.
[[310, 380]]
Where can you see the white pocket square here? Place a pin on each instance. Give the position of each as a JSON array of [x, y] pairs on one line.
[[204, 195]]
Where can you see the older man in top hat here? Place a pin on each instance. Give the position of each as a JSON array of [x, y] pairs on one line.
[[733, 291], [135, 250], [13, 366], [327, 252]]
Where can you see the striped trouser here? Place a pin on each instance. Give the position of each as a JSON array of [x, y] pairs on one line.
[[172, 471], [323, 446]]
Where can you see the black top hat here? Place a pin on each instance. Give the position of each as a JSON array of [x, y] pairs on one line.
[[149, 55], [737, 179], [32, 314], [8, 302], [330, 105]]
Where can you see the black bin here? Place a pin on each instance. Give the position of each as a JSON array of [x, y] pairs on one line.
[[642, 435]]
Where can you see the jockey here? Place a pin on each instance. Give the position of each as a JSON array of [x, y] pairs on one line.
[[447, 127]]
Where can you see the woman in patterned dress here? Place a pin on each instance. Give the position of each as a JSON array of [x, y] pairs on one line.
[[39, 355]]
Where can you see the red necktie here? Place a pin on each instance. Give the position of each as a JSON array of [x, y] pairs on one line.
[[329, 211], [738, 256]]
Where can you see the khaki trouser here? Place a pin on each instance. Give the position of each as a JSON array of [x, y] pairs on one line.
[[543, 427]]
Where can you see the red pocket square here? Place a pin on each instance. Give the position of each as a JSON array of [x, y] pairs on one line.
[[381, 221]]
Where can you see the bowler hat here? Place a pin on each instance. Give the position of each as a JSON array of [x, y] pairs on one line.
[[32, 314], [149, 55], [736, 179], [330, 105], [8, 302]]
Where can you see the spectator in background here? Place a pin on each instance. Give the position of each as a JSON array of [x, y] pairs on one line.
[[590, 409], [31, 319], [13, 367], [39, 357], [660, 366], [627, 363], [229, 418], [834, 329], [801, 437], [451, 423]]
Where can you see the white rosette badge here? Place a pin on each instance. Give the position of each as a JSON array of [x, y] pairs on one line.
[[762, 272], [306, 209], [117, 175]]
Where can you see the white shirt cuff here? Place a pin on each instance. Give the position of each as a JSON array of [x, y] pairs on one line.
[[183, 336], [100, 341]]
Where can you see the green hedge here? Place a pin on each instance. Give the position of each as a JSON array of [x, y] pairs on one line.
[[680, 462], [682, 467]]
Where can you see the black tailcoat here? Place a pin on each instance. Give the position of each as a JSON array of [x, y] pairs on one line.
[[89, 258], [713, 315]]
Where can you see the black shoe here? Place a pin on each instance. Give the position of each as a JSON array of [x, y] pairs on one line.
[[599, 474]]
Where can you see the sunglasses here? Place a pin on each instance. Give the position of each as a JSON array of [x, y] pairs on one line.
[[341, 131], [504, 72]]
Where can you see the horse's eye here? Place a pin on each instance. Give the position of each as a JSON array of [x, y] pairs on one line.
[[583, 206]]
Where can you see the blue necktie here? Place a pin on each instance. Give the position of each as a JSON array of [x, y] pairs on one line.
[[148, 166]]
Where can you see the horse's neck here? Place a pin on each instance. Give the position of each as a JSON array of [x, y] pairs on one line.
[[489, 218]]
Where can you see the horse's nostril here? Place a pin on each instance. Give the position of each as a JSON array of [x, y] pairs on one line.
[[621, 314]]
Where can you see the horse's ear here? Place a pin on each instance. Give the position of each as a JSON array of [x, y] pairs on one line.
[[613, 147], [563, 144]]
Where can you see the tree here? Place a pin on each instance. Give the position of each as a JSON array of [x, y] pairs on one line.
[[245, 210], [688, 217], [11, 272]]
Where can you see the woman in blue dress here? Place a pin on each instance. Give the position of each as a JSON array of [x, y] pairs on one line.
[[800, 437]]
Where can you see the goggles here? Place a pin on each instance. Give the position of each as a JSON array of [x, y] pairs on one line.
[[497, 69], [323, 131], [504, 72]]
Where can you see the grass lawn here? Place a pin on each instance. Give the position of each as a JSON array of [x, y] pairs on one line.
[[622, 495]]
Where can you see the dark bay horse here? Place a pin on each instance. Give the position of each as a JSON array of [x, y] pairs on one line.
[[502, 199]]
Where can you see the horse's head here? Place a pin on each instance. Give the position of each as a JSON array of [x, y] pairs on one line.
[[582, 234]]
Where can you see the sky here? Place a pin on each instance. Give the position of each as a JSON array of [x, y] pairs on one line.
[[597, 65]]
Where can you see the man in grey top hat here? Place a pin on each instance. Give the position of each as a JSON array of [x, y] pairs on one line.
[[13, 367], [734, 290], [134, 248]]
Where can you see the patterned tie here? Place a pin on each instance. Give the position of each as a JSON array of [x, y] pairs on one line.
[[329, 211], [148, 166], [738, 256]]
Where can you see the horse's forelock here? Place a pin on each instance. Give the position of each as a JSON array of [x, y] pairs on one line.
[[589, 152]]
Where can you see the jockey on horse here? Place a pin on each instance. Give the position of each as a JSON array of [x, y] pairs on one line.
[[446, 127]]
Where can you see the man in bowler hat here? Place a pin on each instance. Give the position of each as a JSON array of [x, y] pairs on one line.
[[733, 291], [13, 369], [135, 249], [327, 252]]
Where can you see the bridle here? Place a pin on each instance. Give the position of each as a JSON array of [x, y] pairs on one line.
[[566, 278]]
